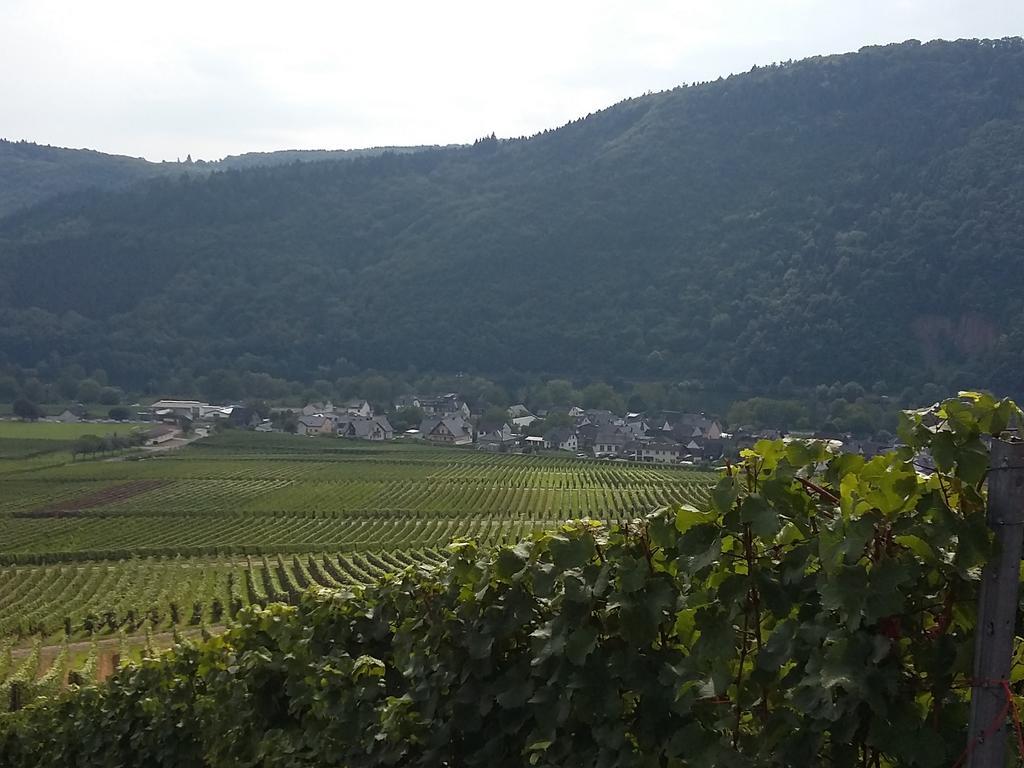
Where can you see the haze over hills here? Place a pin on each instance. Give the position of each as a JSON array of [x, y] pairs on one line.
[[850, 218], [31, 173]]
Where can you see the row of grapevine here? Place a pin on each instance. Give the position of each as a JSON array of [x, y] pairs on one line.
[[93, 549], [28, 678], [152, 595], [478, 493], [109, 597], [35, 541]]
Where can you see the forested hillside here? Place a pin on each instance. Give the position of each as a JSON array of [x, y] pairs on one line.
[[850, 218], [31, 173]]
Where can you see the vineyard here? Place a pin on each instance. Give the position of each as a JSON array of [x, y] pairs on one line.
[[142, 598], [814, 609], [129, 546]]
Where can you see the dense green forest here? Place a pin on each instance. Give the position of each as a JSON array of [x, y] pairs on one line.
[[853, 218], [31, 173]]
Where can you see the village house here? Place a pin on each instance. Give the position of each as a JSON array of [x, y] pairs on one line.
[[586, 434], [377, 428], [600, 418], [683, 426], [695, 449], [340, 420], [712, 450], [636, 425], [610, 442], [866, 448], [173, 409], [517, 410], [494, 436], [563, 439], [446, 430], [522, 422], [633, 449], [532, 444], [572, 411], [315, 409], [661, 452], [244, 417], [215, 412], [664, 437], [450, 404], [160, 435], [70, 415], [315, 424], [359, 407]]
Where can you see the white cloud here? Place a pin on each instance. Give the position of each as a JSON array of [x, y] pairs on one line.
[[213, 78]]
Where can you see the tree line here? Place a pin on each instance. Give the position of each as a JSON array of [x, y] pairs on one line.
[[762, 231]]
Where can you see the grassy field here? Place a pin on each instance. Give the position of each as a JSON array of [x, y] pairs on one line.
[[12, 429], [102, 548], [45, 443]]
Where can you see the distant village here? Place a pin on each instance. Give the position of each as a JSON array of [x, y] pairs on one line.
[[660, 437]]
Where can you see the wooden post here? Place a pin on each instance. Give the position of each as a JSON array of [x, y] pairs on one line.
[[997, 607]]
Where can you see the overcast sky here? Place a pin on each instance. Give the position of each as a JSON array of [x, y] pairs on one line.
[[210, 78]]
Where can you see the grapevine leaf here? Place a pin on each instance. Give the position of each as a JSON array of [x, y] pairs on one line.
[[509, 563], [687, 517], [884, 596], [516, 695], [571, 551], [972, 462], [763, 519], [724, 495], [580, 644], [699, 547], [845, 591]]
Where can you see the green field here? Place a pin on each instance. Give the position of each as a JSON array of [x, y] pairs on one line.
[[95, 548], [46, 443], [12, 429]]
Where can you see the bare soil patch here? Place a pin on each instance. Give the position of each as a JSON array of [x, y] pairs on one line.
[[110, 495]]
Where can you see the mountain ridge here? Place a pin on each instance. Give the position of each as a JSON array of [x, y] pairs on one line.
[[767, 226], [32, 173]]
